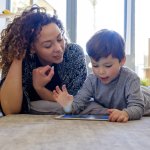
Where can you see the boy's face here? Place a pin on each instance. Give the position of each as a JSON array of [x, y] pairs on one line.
[[107, 69]]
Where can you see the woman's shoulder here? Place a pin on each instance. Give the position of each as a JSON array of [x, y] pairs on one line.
[[73, 52], [73, 47]]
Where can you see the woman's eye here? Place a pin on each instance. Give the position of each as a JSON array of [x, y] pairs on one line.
[[60, 39], [47, 46]]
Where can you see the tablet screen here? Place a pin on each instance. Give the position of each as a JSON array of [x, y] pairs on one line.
[[83, 117]]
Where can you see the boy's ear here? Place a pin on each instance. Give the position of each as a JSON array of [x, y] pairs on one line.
[[123, 61]]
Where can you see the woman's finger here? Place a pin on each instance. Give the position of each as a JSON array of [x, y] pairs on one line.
[[51, 73]]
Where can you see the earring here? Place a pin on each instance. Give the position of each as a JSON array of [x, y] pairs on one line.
[[32, 55]]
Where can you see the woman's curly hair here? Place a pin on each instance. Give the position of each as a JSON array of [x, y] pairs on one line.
[[20, 34]]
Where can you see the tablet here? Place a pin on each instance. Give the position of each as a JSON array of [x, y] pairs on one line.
[[83, 117]]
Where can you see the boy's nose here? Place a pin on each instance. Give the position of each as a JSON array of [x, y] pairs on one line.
[[101, 71]]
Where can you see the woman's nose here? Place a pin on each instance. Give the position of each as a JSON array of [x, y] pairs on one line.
[[57, 47]]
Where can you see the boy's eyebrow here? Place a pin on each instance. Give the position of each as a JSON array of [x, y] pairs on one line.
[[108, 63]]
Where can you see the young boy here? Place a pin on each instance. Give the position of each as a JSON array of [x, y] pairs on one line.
[[112, 86]]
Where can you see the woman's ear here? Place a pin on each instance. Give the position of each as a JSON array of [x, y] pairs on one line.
[[32, 50], [123, 61]]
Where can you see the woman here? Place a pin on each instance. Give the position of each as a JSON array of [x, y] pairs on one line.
[[35, 58]]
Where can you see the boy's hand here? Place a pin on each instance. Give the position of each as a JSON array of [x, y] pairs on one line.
[[118, 115], [62, 96]]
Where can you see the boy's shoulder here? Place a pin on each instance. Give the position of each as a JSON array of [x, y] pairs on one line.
[[127, 71], [128, 74], [92, 77]]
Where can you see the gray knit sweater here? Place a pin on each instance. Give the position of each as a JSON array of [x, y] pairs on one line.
[[123, 93]]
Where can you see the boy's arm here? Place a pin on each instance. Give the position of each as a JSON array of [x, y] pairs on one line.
[[74, 104], [116, 115], [84, 95], [63, 98], [135, 99]]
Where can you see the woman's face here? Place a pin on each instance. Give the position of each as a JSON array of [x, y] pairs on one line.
[[50, 45]]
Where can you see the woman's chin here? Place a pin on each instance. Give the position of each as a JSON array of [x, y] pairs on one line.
[[58, 61]]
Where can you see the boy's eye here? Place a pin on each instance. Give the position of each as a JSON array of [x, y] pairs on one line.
[[95, 66], [108, 66]]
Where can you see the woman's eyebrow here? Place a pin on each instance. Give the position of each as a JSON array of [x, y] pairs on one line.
[[59, 35], [48, 41], [51, 40]]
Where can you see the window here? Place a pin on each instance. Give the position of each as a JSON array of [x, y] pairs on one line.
[[17, 5], [93, 15], [96, 15], [60, 7], [142, 36]]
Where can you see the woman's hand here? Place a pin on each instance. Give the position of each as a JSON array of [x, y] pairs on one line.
[[118, 115], [63, 97], [41, 76]]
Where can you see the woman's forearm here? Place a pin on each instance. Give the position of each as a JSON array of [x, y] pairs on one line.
[[11, 90], [45, 94]]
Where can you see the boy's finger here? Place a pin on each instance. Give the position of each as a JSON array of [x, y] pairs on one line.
[[55, 93], [125, 120], [64, 89], [58, 89], [110, 110]]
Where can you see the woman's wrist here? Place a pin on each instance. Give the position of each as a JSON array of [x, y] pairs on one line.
[[17, 61], [39, 89]]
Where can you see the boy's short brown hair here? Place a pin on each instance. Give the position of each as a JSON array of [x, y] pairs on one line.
[[104, 43]]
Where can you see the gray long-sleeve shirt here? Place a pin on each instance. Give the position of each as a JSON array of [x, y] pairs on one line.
[[123, 93]]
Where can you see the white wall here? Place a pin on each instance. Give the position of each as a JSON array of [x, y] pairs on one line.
[[2, 20]]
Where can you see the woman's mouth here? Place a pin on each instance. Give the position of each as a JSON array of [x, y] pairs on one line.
[[58, 57]]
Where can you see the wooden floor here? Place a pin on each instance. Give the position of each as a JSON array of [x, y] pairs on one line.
[[32, 132]]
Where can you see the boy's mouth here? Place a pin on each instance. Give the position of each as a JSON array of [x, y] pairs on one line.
[[104, 79]]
